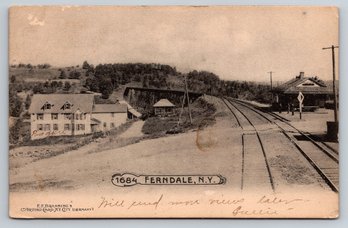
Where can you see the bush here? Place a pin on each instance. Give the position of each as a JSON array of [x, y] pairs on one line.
[[15, 104], [14, 132], [97, 135], [156, 125]]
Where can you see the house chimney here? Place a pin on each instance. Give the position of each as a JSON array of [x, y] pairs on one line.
[[301, 74]]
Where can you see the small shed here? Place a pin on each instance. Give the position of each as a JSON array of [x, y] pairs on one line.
[[164, 108]]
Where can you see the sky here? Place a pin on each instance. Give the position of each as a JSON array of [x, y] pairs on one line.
[[236, 43]]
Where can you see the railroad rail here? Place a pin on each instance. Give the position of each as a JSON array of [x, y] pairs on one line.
[[264, 154], [325, 163]]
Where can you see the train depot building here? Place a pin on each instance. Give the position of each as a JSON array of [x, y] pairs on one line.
[[316, 93], [72, 114]]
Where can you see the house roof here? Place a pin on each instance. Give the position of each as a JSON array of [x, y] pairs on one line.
[[95, 121], [109, 108], [164, 103], [133, 111], [82, 102], [295, 85]]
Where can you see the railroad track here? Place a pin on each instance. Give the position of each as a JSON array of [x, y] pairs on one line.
[[252, 144], [323, 159]]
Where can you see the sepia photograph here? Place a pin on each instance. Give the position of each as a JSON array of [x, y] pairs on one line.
[[174, 112]]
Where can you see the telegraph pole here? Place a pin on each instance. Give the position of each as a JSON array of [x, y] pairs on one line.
[[334, 79], [270, 77], [188, 98]]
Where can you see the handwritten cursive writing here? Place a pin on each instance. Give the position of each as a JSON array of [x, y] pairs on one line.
[[275, 200], [111, 203], [146, 203]]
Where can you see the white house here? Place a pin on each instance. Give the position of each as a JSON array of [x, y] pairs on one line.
[[110, 116], [72, 114]]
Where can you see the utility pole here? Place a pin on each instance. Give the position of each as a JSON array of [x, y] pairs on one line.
[[188, 98], [270, 77], [182, 108], [334, 79]]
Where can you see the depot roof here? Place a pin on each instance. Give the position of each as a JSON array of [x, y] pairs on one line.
[[306, 85]]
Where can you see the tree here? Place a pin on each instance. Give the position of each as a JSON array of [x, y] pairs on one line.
[[145, 82], [85, 65], [13, 79], [15, 104], [43, 66], [14, 132], [27, 102], [54, 84], [137, 78], [92, 84], [106, 88], [38, 88], [74, 74], [62, 74], [67, 86]]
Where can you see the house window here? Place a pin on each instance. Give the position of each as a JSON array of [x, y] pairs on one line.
[[68, 116], [54, 116], [104, 124], [66, 127], [112, 125], [39, 116], [112, 114], [47, 127], [80, 127], [55, 127], [66, 105], [77, 116], [47, 106], [39, 127]]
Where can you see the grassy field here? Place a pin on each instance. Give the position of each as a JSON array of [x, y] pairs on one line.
[[34, 74], [41, 75]]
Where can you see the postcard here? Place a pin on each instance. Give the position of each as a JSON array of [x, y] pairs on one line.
[[173, 112]]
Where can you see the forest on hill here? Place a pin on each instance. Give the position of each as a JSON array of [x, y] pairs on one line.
[[104, 78]]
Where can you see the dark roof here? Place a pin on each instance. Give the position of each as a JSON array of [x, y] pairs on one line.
[[293, 86], [133, 111], [82, 102], [94, 121], [109, 108], [164, 103]]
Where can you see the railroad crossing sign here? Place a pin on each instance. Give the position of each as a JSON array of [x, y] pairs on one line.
[[300, 97]]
